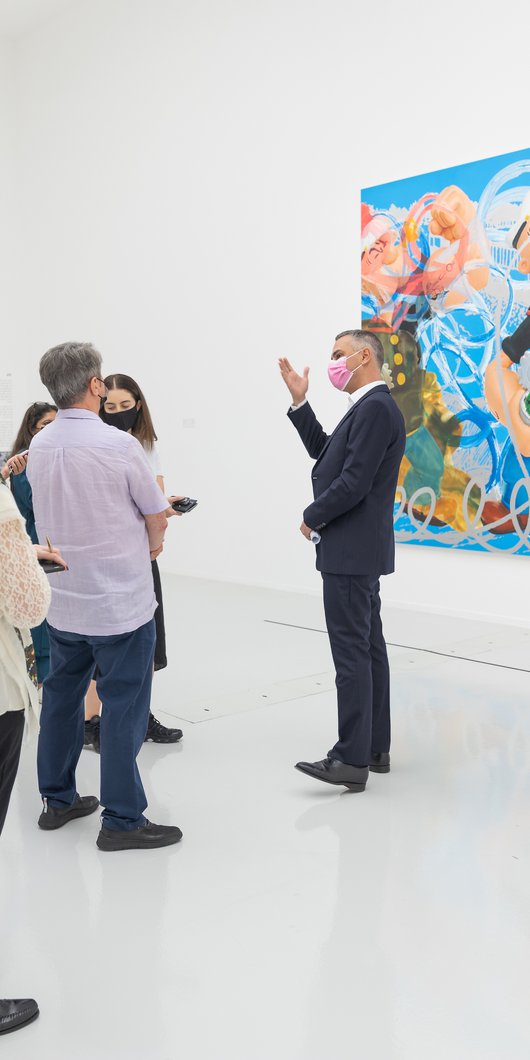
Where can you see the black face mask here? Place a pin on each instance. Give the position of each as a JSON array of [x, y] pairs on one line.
[[124, 421]]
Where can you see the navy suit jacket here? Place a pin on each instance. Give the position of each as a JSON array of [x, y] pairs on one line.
[[354, 483]]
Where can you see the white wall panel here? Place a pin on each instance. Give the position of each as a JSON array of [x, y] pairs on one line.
[[188, 183]]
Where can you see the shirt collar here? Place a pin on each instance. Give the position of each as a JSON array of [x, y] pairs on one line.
[[358, 394], [76, 414]]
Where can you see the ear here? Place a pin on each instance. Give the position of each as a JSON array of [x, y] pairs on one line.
[[138, 405]]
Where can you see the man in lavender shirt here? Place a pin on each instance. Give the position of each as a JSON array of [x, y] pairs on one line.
[[95, 498]]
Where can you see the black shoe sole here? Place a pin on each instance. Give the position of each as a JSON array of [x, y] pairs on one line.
[[50, 823], [379, 769], [334, 783], [22, 1023], [107, 843]]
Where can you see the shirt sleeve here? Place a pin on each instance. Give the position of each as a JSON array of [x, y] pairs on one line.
[[26, 594], [21, 490], [143, 488]]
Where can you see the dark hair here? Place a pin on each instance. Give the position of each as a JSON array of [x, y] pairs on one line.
[[143, 428], [369, 339], [29, 422]]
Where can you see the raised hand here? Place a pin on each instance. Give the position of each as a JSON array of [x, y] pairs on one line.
[[296, 384]]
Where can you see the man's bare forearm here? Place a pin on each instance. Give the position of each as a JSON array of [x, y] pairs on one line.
[[156, 528]]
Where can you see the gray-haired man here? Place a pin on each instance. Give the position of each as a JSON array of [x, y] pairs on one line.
[[95, 498]]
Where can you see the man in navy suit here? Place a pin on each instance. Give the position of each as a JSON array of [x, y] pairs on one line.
[[354, 486]]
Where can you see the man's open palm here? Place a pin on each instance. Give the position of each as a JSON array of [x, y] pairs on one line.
[[296, 384]]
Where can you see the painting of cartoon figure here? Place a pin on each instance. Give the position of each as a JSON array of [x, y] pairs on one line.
[[445, 275]]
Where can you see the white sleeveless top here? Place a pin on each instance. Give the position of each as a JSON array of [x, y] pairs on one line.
[[153, 458]]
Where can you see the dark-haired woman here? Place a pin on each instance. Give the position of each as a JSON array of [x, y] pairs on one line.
[[126, 408], [35, 418]]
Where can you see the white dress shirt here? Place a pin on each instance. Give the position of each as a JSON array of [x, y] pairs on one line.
[[352, 398], [358, 394]]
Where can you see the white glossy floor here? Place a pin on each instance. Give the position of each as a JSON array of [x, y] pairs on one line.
[[293, 922]]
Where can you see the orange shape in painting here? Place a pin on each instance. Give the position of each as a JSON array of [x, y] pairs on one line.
[[410, 229]]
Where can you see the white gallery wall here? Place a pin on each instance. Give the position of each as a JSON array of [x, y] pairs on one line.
[[12, 385], [186, 189]]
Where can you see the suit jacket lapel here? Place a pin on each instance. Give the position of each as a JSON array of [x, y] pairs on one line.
[[350, 412]]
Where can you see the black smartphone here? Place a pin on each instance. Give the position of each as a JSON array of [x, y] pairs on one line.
[[49, 567], [185, 505]]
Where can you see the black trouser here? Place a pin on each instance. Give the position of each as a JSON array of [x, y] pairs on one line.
[[11, 730], [160, 645], [352, 606]]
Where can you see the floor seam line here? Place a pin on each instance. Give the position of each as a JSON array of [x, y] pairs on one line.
[[411, 647]]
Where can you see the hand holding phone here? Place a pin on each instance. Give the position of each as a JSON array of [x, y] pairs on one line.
[[50, 558], [49, 566], [184, 504], [16, 464]]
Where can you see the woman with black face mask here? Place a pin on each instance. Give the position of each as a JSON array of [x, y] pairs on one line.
[[125, 407]]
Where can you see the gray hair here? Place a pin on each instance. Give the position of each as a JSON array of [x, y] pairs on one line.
[[66, 371], [366, 338]]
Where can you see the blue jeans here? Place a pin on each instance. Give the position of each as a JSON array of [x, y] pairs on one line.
[[125, 664]]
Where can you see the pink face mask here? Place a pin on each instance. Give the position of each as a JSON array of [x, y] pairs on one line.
[[339, 374]]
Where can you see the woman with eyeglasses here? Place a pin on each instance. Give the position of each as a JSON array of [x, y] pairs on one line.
[[35, 418], [125, 407]]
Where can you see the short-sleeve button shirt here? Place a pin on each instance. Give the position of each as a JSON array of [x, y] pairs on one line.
[[92, 487]]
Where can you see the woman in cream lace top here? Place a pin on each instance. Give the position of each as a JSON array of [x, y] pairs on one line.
[[24, 600]]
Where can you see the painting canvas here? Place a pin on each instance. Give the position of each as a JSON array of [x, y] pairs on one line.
[[445, 272]]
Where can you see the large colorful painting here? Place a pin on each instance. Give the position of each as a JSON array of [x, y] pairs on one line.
[[446, 286]]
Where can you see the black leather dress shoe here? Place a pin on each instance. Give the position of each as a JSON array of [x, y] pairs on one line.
[[159, 733], [380, 762], [147, 837], [16, 1013], [331, 771], [53, 817]]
